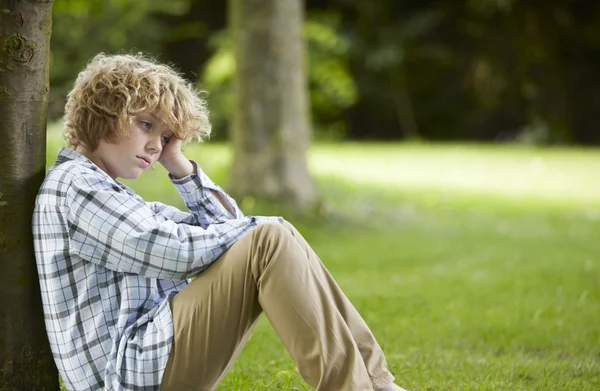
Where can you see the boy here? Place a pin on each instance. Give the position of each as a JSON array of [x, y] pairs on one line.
[[120, 310]]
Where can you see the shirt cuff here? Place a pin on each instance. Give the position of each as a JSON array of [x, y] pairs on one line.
[[192, 187]]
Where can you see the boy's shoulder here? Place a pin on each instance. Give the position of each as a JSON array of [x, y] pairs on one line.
[[62, 176], [67, 171]]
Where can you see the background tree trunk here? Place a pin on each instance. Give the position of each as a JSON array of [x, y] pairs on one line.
[[25, 27], [403, 102], [271, 131]]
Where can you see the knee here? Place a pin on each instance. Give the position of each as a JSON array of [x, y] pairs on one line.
[[276, 228], [269, 239], [287, 224], [271, 231]]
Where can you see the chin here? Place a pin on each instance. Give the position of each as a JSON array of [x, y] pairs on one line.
[[131, 175]]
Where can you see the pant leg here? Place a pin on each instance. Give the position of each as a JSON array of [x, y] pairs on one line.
[[305, 316], [370, 350], [212, 320], [266, 269]]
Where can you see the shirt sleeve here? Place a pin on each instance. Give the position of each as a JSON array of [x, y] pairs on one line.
[[196, 192], [119, 231], [177, 215]]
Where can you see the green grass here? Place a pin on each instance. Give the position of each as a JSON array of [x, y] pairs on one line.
[[477, 267]]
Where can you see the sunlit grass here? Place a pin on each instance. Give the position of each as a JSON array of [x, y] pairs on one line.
[[477, 267], [518, 172]]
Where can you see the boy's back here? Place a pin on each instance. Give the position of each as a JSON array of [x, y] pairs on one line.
[[95, 316]]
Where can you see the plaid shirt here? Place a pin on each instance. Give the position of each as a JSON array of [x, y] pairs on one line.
[[109, 262]]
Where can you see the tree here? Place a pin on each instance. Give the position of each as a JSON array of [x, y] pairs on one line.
[[270, 130], [25, 359]]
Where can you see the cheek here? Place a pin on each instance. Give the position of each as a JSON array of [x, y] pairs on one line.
[[135, 135], [118, 154]]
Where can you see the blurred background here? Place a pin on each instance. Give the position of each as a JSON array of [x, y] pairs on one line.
[[520, 71], [452, 151]]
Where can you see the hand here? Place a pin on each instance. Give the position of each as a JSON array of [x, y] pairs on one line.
[[173, 159]]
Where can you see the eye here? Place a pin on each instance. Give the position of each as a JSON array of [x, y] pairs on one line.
[[147, 124], [165, 139]]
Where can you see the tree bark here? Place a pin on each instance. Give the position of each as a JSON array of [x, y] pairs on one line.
[[271, 132], [25, 27]]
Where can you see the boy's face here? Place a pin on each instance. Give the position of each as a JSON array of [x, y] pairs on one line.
[[130, 155]]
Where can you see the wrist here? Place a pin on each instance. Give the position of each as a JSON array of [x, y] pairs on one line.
[[178, 167]]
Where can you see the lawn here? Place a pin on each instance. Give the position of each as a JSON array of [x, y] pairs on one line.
[[477, 267]]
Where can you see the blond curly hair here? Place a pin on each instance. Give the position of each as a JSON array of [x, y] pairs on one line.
[[113, 89]]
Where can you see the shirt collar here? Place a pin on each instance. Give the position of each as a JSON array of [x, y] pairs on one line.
[[67, 154]]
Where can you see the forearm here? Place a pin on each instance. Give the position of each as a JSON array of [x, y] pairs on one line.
[[179, 168], [182, 167]]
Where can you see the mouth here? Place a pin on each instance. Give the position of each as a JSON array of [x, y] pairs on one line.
[[145, 161]]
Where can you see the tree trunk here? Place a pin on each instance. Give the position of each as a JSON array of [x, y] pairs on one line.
[[271, 132], [25, 26], [403, 103]]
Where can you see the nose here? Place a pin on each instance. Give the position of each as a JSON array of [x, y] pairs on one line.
[[154, 145]]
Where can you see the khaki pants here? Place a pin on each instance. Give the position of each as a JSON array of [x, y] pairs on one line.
[[272, 269]]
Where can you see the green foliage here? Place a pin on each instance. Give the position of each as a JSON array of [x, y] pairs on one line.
[[475, 266], [82, 29], [488, 8], [331, 87], [457, 69], [217, 79], [395, 43]]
